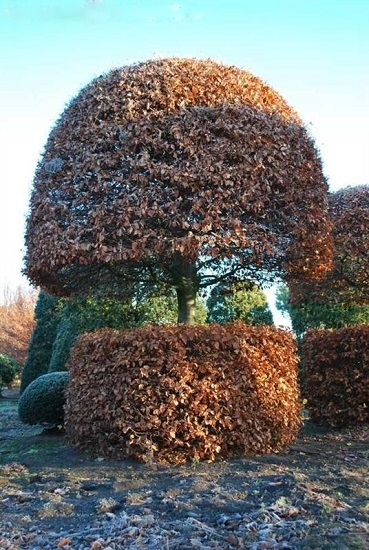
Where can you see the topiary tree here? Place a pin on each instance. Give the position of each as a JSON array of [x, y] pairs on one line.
[[341, 298], [43, 400], [47, 315], [179, 172], [9, 369], [243, 300]]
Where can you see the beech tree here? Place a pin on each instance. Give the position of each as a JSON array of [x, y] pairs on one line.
[[341, 298], [346, 285], [179, 172]]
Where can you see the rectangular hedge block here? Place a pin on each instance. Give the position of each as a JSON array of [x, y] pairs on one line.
[[181, 393], [336, 373]]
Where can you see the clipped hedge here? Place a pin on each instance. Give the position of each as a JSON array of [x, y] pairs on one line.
[[42, 402], [181, 393], [336, 373]]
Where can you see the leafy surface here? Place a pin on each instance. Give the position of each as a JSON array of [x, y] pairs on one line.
[[176, 159], [336, 371], [346, 286], [183, 393]]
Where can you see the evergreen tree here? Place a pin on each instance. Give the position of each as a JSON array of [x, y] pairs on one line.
[[325, 314], [81, 315], [241, 300], [47, 315]]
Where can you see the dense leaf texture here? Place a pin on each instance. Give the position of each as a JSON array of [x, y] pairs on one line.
[[47, 316], [347, 284], [181, 393], [176, 169], [9, 369], [336, 365], [43, 400], [308, 313]]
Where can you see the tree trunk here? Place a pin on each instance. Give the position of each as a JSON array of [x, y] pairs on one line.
[[186, 306], [187, 285]]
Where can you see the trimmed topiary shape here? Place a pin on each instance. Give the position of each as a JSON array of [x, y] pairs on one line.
[[182, 172], [183, 393], [344, 292], [43, 400], [47, 313], [336, 374]]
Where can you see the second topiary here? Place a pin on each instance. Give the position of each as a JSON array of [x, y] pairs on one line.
[[43, 400]]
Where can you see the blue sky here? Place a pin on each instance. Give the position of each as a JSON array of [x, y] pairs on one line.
[[314, 52]]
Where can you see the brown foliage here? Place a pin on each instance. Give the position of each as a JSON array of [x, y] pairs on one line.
[[177, 158], [182, 393], [348, 281], [336, 371], [16, 323]]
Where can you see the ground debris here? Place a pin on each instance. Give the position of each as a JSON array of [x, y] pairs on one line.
[[52, 496]]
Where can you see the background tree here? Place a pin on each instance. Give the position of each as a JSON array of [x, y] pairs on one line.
[[309, 314], [80, 315], [242, 300], [348, 281], [341, 298], [9, 370], [16, 322], [86, 314], [47, 316], [162, 310], [178, 172], [60, 321]]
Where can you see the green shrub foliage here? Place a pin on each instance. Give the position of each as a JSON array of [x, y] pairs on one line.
[[47, 315], [82, 315], [307, 314], [183, 392], [336, 373], [242, 300], [9, 369], [43, 400]]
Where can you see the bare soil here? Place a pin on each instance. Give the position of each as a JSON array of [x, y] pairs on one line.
[[314, 495]]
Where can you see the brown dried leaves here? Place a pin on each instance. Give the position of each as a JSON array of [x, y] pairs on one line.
[[182, 393], [348, 281], [178, 155], [336, 365]]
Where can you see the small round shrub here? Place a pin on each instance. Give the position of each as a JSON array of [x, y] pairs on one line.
[[9, 369], [43, 400]]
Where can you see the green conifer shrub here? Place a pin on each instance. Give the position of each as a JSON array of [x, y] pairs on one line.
[[9, 369], [47, 314], [43, 400]]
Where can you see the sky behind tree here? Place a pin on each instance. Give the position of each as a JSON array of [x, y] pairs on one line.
[[314, 52]]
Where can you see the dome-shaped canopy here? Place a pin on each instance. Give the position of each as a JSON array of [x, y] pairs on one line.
[[347, 283], [176, 158]]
